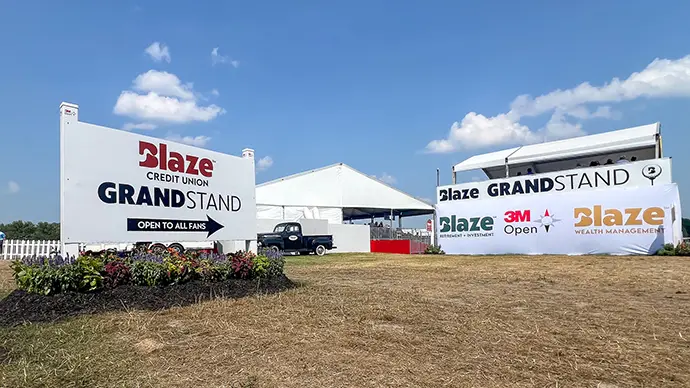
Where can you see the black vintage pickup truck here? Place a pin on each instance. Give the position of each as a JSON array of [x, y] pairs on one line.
[[288, 237]]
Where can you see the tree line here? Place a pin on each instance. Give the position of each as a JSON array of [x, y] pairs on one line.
[[25, 230]]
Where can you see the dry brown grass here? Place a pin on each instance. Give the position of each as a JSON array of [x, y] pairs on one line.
[[6, 280], [389, 320]]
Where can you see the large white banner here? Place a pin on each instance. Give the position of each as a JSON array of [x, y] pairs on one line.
[[644, 173], [118, 186], [608, 221]]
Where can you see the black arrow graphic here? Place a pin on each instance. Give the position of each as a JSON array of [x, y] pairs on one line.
[[172, 225]]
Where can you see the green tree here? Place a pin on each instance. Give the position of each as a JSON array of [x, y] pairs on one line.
[[686, 227], [26, 230]]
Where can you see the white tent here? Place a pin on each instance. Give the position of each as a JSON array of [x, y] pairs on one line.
[[336, 193], [643, 142]]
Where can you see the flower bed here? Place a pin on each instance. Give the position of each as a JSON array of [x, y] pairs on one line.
[[53, 288], [52, 275]]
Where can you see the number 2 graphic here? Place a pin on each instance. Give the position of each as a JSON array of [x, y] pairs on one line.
[[651, 172]]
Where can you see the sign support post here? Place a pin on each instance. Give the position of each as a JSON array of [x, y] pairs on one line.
[[248, 153], [69, 114]]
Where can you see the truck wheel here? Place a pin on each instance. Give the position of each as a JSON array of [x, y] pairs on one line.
[[275, 248], [177, 247], [158, 248], [320, 250]]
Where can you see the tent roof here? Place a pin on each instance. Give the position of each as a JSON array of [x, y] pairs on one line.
[[614, 142], [476, 162], [341, 186]]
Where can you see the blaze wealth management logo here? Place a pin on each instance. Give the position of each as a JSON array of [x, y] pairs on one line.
[[635, 220]]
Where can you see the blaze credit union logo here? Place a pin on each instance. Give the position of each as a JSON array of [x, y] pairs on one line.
[[519, 222]]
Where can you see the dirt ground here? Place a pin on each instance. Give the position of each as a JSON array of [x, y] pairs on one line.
[[389, 320]]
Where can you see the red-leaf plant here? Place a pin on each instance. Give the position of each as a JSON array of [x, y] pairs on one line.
[[117, 273], [242, 264]]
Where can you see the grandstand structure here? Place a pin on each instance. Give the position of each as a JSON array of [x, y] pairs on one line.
[[622, 169], [637, 143]]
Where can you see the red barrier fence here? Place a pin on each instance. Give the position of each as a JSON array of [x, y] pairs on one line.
[[398, 246], [417, 247]]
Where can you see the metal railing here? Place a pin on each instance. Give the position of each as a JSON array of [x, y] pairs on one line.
[[387, 233]]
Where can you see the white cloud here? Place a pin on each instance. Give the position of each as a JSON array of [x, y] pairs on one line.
[[216, 58], [215, 92], [661, 78], [167, 99], [142, 126], [385, 178], [264, 163], [155, 107], [582, 113], [483, 131], [196, 141], [158, 52], [12, 187], [163, 83]]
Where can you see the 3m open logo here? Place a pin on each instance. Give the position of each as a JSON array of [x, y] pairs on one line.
[[547, 220], [517, 216], [512, 217]]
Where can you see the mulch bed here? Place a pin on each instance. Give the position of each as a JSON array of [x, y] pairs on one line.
[[21, 307]]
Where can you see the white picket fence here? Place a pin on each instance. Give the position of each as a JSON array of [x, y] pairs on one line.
[[16, 249]]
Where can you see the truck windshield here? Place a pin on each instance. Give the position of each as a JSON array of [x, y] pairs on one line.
[[279, 229]]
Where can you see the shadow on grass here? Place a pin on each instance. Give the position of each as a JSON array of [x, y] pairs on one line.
[[20, 307]]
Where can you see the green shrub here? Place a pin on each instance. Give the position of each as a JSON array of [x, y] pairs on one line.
[[204, 270], [221, 272], [276, 262], [434, 250], [665, 252], [683, 249], [50, 275], [260, 266], [68, 278], [180, 269], [35, 279], [148, 273], [88, 272]]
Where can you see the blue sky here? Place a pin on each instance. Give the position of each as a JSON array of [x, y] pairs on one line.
[[309, 83]]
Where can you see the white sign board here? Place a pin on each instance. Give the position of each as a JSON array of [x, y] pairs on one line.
[[118, 186], [608, 221], [644, 173]]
